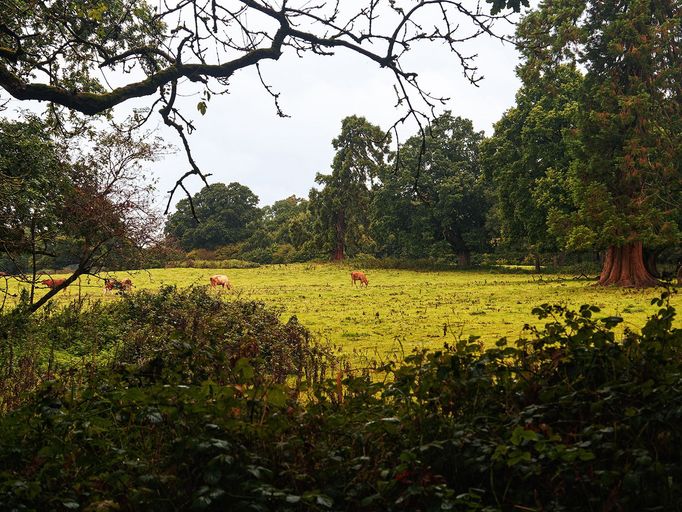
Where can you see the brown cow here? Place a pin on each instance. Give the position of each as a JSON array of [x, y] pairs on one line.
[[220, 280], [356, 275], [53, 283], [111, 284]]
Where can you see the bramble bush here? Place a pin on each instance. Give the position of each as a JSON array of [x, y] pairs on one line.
[[569, 418]]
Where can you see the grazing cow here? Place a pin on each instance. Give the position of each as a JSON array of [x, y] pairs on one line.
[[220, 280], [111, 284], [114, 284], [356, 275], [53, 283]]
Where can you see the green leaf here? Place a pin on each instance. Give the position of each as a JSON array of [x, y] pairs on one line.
[[518, 456], [520, 435], [586, 455], [324, 501], [612, 321], [212, 475], [201, 502], [244, 369], [276, 396]]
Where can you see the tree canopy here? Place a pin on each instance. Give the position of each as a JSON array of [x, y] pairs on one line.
[[435, 191], [528, 157], [77, 201], [218, 215], [341, 208], [288, 221]]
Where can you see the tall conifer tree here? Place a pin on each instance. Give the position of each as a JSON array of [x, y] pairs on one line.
[[342, 206], [627, 171]]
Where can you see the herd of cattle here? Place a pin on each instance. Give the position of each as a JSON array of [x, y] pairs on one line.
[[110, 284], [222, 280], [217, 280]]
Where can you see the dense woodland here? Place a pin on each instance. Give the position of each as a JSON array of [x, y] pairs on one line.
[[185, 399]]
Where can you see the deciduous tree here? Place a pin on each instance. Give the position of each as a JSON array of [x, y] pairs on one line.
[[436, 188], [527, 160], [87, 206], [288, 221], [34, 179], [217, 215]]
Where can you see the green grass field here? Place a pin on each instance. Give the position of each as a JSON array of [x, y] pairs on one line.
[[400, 309]]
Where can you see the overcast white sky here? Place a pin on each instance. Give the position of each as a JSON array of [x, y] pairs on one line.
[[241, 138]]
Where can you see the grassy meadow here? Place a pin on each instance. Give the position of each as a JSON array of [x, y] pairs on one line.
[[400, 309]]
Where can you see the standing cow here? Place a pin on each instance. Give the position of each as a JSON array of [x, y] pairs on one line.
[[52, 283], [110, 284], [220, 280], [356, 275]]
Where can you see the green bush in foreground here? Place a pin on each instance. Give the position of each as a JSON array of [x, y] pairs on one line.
[[569, 419], [179, 336]]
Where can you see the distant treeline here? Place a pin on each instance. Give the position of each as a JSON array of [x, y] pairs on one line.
[[449, 197], [585, 168]]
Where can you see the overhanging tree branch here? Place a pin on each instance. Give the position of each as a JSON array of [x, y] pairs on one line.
[[67, 56]]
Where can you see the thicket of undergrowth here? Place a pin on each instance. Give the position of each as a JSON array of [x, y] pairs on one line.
[[568, 418], [183, 335]]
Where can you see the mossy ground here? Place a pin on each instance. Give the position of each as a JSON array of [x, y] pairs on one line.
[[400, 309]]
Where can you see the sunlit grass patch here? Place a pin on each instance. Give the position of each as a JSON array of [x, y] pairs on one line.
[[400, 309]]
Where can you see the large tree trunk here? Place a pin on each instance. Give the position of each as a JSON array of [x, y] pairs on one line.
[[459, 246], [339, 248], [650, 258], [464, 258], [338, 253], [624, 266]]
